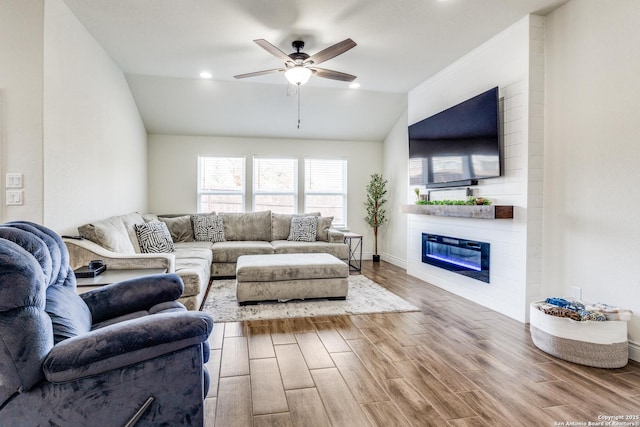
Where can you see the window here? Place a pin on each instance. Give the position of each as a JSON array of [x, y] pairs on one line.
[[325, 188], [275, 185], [221, 184]]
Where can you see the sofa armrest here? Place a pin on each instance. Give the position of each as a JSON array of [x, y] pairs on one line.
[[129, 296], [83, 251], [124, 344], [336, 236]]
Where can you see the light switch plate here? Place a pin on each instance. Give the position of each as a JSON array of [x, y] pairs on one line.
[[14, 197], [13, 180]]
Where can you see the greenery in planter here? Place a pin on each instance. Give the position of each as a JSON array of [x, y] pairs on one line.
[[471, 201], [376, 214]]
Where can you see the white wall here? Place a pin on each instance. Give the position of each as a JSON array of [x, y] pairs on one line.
[[173, 169], [592, 154], [21, 34], [393, 235], [503, 61], [94, 140]]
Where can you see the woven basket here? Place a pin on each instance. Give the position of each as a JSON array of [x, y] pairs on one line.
[[591, 343]]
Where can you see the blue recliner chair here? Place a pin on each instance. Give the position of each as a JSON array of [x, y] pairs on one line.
[[120, 355]]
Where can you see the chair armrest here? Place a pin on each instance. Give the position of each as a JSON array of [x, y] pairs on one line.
[[83, 251], [128, 296], [336, 236], [125, 343]]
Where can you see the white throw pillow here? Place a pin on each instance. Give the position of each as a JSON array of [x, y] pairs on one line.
[[154, 237], [303, 229]]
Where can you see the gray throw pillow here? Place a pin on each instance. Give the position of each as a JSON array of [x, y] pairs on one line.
[[180, 228], [324, 224], [154, 238], [208, 228], [303, 228]]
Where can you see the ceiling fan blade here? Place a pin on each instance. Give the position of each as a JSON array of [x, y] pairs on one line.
[[258, 73], [334, 75], [331, 52], [273, 50]]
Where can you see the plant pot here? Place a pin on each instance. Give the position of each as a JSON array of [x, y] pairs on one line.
[[376, 258]]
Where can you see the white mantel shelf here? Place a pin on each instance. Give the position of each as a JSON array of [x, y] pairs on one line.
[[462, 211]]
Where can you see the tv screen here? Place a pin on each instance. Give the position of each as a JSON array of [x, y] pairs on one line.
[[457, 146]]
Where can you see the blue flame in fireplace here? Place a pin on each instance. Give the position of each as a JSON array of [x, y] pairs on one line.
[[468, 265]]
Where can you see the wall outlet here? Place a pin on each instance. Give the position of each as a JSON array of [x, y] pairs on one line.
[[14, 197], [576, 293]]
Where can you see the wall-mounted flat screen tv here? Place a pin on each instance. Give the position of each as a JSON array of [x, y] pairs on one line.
[[457, 146]]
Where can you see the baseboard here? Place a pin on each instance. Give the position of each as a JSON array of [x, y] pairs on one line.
[[388, 258], [634, 351], [394, 260]]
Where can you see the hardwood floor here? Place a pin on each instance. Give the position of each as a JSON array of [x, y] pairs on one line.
[[454, 363]]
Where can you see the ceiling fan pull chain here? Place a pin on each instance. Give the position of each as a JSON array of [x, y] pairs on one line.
[[298, 106]]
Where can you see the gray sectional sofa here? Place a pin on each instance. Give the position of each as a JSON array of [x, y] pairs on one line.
[[116, 241]]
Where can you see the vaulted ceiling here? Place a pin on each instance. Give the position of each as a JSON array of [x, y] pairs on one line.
[[162, 46]]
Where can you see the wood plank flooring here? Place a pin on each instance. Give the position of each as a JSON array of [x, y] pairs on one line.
[[454, 363]]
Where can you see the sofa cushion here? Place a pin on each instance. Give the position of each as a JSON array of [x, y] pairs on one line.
[[281, 224], [109, 233], [247, 226], [208, 228], [338, 250], [193, 265], [303, 229], [324, 224], [198, 248], [130, 220], [180, 227], [154, 237], [230, 251], [195, 274], [148, 217]]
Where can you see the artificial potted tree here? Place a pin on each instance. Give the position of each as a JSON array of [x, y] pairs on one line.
[[376, 214]]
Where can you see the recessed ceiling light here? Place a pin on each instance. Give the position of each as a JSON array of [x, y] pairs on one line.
[[206, 75], [354, 85]]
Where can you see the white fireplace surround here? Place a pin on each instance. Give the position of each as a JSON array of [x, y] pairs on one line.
[[514, 61]]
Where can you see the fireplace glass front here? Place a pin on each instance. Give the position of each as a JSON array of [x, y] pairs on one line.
[[466, 257]]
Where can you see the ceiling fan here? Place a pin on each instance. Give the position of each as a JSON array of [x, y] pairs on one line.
[[299, 66]]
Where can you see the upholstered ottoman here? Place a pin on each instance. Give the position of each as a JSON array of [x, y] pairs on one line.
[[283, 277]]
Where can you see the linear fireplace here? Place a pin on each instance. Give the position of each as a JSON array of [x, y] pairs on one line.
[[461, 256]]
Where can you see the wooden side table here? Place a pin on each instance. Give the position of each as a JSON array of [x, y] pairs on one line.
[[114, 276], [354, 241]]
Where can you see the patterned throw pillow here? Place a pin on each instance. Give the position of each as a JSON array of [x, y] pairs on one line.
[[154, 237], [208, 228], [303, 228]]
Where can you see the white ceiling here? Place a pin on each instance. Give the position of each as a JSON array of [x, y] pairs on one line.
[[163, 45]]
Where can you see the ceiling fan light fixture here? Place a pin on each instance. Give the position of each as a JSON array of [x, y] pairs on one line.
[[298, 75]]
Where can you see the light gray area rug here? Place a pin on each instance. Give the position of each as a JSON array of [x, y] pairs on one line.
[[364, 297]]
